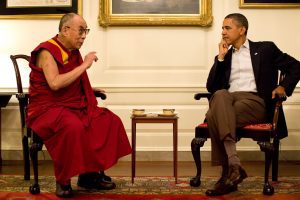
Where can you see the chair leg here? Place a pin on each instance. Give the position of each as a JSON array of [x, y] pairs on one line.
[[267, 147], [275, 160], [35, 147], [195, 146], [26, 158]]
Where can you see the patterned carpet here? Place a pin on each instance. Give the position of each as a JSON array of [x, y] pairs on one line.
[[162, 186]]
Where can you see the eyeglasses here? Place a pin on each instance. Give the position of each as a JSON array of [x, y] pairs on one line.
[[81, 31]]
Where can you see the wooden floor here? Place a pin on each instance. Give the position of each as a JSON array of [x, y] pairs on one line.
[[185, 169]]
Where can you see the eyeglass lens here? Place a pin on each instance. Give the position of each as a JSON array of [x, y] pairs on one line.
[[84, 30], [81, 30]]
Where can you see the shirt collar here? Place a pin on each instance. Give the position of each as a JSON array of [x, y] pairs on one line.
[[245, 45]]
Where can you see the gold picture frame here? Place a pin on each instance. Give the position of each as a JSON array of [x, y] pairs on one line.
[[113, 13], [269, 3], [37, 9]]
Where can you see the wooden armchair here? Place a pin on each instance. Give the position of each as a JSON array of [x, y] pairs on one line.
[[266, 136], [36, 144], [23, 101]]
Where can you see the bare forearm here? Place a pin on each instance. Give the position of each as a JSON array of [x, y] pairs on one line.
[[54, 78], [63, 80]]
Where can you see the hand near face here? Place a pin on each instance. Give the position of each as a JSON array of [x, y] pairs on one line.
[[223, 49], [90, 58]]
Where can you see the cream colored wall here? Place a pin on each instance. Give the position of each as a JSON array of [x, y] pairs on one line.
[[154, 68]]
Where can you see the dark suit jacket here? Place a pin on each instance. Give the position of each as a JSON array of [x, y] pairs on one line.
[[267, 60]]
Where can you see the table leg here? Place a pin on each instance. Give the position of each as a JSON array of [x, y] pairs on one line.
[[133, 140], [0, 142], [175, 139]]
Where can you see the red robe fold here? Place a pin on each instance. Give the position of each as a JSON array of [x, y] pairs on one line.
[[79, 136]]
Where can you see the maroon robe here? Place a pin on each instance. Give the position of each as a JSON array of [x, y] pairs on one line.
[[79, 136]]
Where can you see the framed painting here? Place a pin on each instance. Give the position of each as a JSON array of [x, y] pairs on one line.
[[155, 12], [269, 3], [37, 9]]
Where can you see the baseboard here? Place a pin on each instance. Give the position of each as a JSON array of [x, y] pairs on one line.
[[168, 155]]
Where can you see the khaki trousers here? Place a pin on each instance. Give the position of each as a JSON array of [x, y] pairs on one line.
[[228, 111]]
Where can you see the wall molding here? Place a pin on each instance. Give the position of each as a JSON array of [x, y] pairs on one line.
[[168, 155]]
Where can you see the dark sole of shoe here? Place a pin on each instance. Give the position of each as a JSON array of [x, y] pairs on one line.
[[212, 193]]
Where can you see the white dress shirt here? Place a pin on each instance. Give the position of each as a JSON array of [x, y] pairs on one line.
[[242, 75]]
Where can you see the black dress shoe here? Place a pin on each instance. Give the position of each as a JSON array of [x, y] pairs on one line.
[[221, 189], [236, 175], [94, 180], [105, 177], [222, 179], [64, 191], [104, 185]]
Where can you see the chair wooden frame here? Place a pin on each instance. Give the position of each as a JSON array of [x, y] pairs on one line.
[[36, 144], [267, 138], [23, 101]]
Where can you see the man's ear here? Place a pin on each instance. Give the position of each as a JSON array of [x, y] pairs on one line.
[[64, 30], [243, 30]]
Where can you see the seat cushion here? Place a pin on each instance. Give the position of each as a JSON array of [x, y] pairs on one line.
[[264, 126], [203, 125]]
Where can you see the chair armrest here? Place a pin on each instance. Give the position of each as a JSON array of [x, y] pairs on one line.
[[207, 95], [278, 103], [200, 95], [99, 93], [23, 98], [279, 98]]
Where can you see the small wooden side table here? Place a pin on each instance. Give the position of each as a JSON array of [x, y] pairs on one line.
[[4, 99], [156, 119]]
